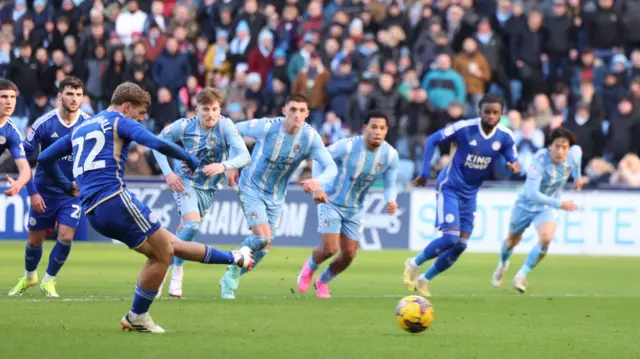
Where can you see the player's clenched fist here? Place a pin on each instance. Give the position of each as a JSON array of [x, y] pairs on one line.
[[392, 207]]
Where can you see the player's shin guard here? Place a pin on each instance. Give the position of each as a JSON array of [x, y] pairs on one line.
[[437, 246], [58, 256], [445, 260], [32, 257], [533, 258], [187, 234]]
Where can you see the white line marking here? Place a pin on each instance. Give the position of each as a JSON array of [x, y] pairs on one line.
[[338, 297]]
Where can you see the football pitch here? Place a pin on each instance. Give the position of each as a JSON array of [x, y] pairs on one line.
[[577, 307]]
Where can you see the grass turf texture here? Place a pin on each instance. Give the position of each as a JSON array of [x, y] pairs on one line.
[[576, 307]]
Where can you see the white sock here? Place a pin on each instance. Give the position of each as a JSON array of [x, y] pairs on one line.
[[29, 275], [48, 278], [413, 262], [177, 273]]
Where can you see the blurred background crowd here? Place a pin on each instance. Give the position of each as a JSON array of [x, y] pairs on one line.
[[426, 63]]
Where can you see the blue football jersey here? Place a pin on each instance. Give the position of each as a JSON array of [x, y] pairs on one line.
[[221, 144], [475, 154], [45, 131], [11, 139], [277, 154], [546, 179], [358, 168]]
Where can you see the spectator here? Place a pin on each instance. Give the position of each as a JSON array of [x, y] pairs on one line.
[[312, 80], [130, 23], [443, 84], [341, 85], [261, 57], [474, 69], [239, 49], [172, 68]]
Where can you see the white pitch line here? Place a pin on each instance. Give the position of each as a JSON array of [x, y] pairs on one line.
[[338, 297]]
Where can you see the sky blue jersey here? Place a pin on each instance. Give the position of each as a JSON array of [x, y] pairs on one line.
[[474, 156], [45, 131], [100, 146], [222, 144], [358, 168], [545, 179], [11, 139], [277, 154]]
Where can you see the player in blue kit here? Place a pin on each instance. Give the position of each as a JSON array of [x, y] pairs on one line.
[[539, 202], [281, 145], [100, 146], [219, 146], [10, 138], [360, 161], [479, 142], [49, 203]]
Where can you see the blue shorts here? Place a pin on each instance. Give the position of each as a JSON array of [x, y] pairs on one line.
[[456, 211], [65, 210], [125, 219], [194, 200], [521, 218], [333, 219], [259, 210]]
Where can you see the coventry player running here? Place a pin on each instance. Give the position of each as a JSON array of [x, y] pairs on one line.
[[281, 145], [217, 143], [360, 161], [10, 138], [539, 202], [100, 147], [479, 142], [49, 203]]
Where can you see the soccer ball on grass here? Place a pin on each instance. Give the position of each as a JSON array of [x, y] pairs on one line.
[[414, 314]]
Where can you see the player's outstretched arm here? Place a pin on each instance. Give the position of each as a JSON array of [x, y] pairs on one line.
[[239, 153], [132, 130], [445, 135], [48, 159]]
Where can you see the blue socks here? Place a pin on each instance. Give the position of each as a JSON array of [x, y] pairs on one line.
[[445, 260], [187, 234], [312, 264], [216, 256], [505, 253], [142, 300], [535, 255], [437, 246], [32, 257], [327, 276], [58, 256]]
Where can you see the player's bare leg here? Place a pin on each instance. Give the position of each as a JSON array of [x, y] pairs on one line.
[[33, 253], [327, 249], [259, 243], [503, 265], [160, 248], [546, 231], [57, 258], [348, 250]]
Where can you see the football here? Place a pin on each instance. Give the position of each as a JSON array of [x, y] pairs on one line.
[[414, 314]]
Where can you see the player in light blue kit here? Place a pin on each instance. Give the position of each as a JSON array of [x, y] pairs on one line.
[[281, 145], [10, 138], [100, 146], [360, 161], [49, 203], [479, 142], [539, 202], [219, 146]]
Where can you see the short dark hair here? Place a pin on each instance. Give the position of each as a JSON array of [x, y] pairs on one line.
[[376, 114], [296, 97], [491, 98], [562, 132], [71, 81], [8, 85]]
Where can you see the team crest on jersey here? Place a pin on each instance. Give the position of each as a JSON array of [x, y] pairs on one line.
[[31, 134], [211, 140], [235, 131], [3, 140], [496, 145], [254, 215], [297, 148], [379, 166], [153, 219]]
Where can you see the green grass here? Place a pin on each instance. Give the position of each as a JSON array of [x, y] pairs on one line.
[[578, 307]]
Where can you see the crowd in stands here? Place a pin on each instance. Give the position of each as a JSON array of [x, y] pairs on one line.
[[426, 63]]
